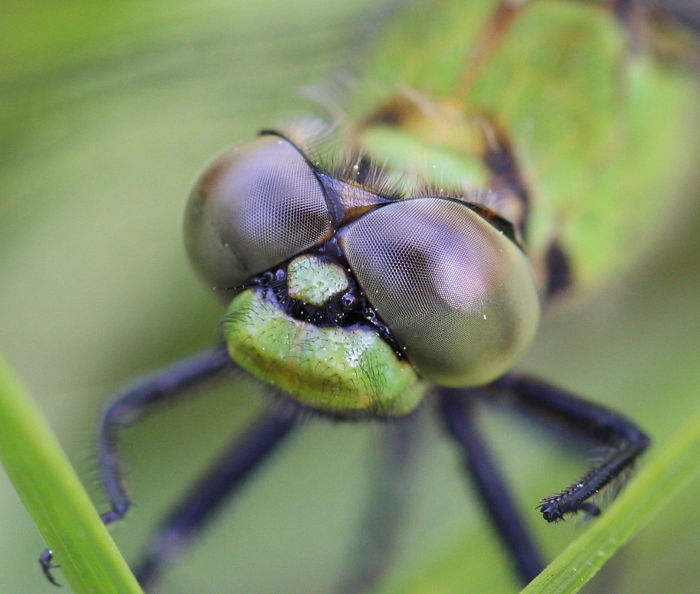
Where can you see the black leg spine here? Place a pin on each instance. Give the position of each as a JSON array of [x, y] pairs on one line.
[[625, 440]]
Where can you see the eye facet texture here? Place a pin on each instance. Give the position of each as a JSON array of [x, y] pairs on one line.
[[457, 294], [255, 206]]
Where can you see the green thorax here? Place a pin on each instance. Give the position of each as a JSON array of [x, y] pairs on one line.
[[596, 125]]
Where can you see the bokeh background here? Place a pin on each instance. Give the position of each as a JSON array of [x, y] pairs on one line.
[[108, 110]]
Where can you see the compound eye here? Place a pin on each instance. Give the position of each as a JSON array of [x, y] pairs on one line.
[[255, 206], [458, 295]]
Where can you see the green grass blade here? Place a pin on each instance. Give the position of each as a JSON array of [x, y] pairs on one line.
[[665, 474], [54, 496]]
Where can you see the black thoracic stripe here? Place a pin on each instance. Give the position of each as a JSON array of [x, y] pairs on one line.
[[558, 271], [501, 161]]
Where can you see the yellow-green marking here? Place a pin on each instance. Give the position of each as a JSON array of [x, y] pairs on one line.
[[314, 281]]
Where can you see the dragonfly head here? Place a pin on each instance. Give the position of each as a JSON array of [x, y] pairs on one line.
[[346, 299]]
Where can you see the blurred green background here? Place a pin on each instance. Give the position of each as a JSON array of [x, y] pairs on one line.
[[108, 112]]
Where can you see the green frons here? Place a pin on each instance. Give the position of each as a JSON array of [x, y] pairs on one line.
[[313, 281]]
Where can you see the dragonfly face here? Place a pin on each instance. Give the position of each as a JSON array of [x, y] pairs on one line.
[[404, 287]]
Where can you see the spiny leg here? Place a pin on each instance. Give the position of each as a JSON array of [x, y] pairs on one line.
[[623, 438], [457, 409], [219, 482], [139, 400], [376, 542], [128, 408]]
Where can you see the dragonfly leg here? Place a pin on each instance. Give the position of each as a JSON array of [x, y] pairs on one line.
[[133, 404], [375, 542], [47, 564], [220, 481], [624, 440], [128, 408], [457, 409]]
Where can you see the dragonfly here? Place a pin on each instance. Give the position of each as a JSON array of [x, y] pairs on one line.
[[411, 269]]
